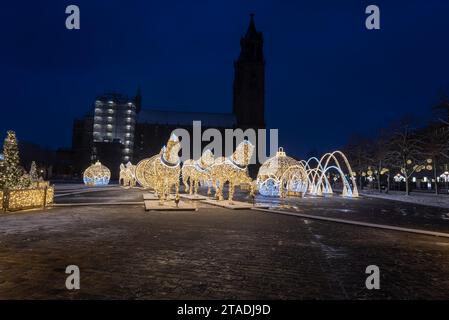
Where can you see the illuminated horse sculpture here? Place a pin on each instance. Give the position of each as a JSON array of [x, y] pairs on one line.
[[162, 171], [196, 172], [127, 175], [233, 169]]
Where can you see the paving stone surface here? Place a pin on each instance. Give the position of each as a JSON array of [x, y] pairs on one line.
[[366, 209], [124, 252]]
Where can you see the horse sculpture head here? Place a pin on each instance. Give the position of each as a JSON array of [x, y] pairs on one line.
[[243, 153], [207, 159], [170, 152], [131, 169]]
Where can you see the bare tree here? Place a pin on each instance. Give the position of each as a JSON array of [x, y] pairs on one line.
[[436, 147], [406, 151], [378, 153], [357, 152], [441, 108]]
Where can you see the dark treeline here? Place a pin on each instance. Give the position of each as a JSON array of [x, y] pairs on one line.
[[403, 155]]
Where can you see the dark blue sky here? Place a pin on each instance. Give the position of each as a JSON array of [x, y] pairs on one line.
[[327, 77]]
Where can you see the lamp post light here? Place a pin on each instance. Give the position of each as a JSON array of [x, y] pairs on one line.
[[445, 177], [398, 178]]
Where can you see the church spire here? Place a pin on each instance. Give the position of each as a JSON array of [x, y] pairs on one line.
[[249, 80], [251, 44], [251, 32]]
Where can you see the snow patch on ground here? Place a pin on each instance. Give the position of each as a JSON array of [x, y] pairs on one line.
[[440, 201]]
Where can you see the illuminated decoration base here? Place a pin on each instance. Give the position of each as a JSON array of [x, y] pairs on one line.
[[193, 197], [150, 196], [234, 205], [97, 175], [127, 176], [233, 169], [318, 176], [196, 172], [282, 176], [162, 171], [39, 195], [153, 197], [169, 206]]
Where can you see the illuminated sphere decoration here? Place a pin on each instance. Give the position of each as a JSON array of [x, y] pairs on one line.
[[282, 175], [96, 175]]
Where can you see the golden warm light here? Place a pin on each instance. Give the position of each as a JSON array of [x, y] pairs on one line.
[[97, 175]]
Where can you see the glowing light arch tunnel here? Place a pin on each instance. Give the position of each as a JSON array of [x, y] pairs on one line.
[[282, 175]]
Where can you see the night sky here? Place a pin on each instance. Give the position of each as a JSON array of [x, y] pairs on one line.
[[327, 77]]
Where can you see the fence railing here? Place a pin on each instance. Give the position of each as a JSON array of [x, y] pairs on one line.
[[37, 196]]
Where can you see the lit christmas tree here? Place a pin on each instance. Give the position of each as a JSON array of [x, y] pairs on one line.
[[2, 172], [33, 172], [12, 172]]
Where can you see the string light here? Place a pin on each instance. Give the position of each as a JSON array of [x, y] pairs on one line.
[[96, 175], [127, 175], [282, 175], [29, 198], [233, 169], [162, 171], [318, 176], [18, 189], [197, 172], [399, 178]]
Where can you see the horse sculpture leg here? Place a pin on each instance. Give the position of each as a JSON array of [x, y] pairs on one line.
[[231, 191], [251, 188], [191, 186], [219, 191], [208, 189], [165, 190], [184, 181], [216, 186], [196, 187]]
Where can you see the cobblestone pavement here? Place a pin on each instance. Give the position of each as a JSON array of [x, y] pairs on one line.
[[366, 209], [124, 252]]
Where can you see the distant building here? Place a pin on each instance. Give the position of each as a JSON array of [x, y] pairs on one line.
[[118, 130], [114, 122], [155, 126], [106, 132], [82, 143]]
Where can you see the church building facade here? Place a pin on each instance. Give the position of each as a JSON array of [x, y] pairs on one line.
[[149, 129]]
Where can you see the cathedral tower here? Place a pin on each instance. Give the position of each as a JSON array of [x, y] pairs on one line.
[[249, 80]]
